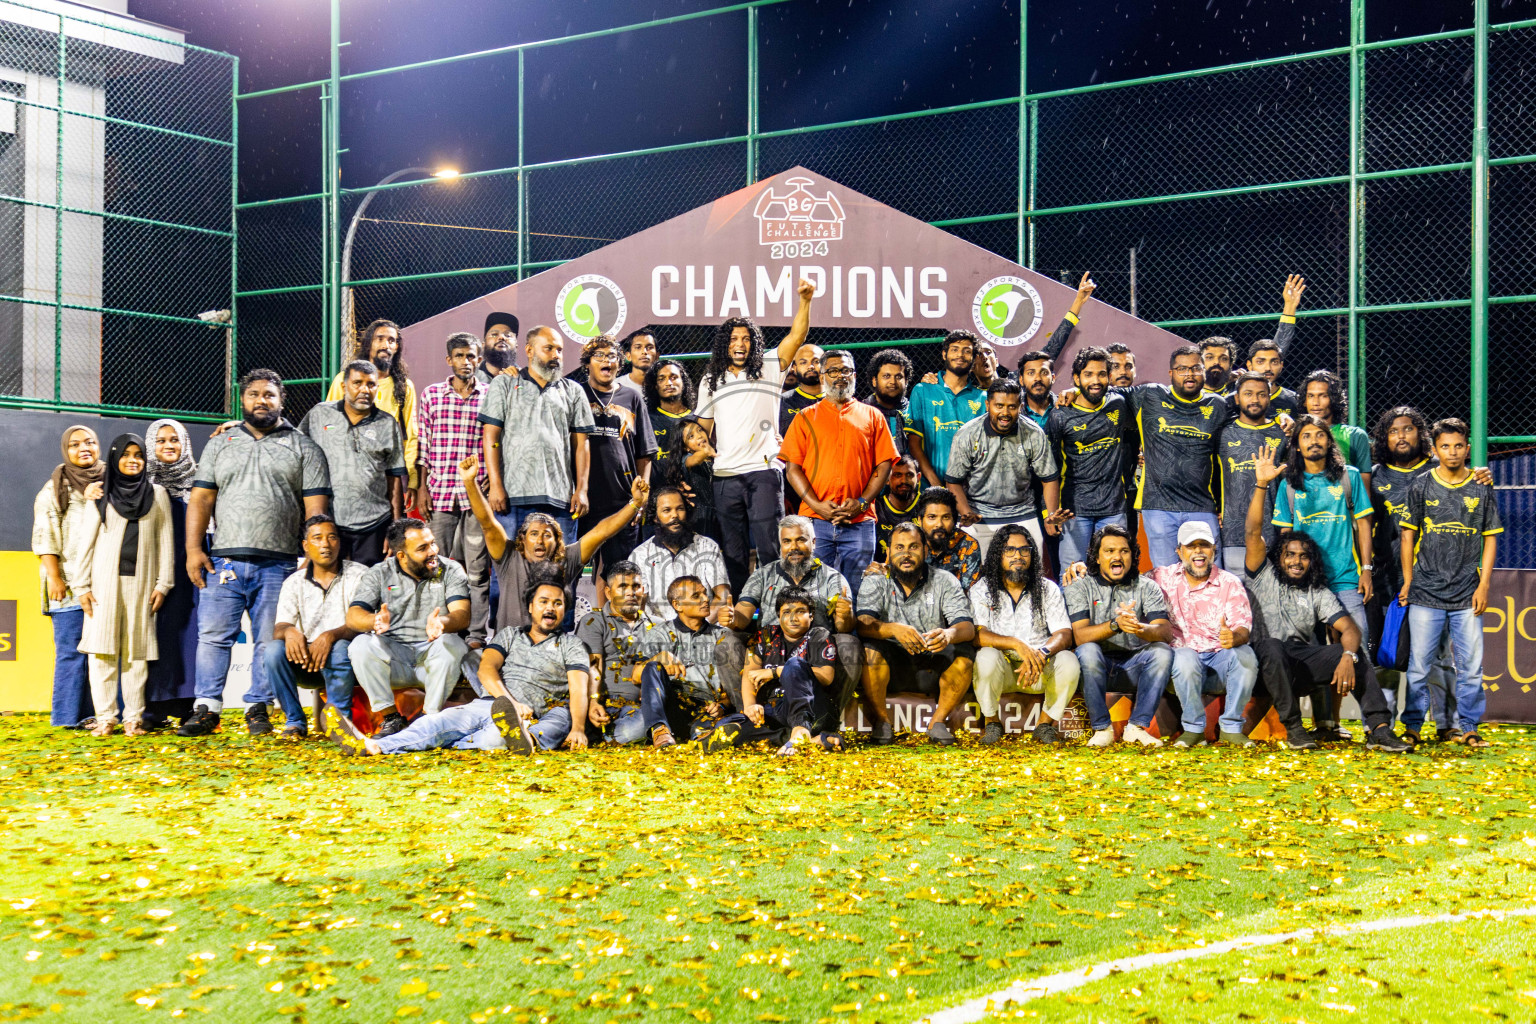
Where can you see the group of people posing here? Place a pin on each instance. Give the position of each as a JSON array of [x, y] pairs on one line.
[[443, 537]]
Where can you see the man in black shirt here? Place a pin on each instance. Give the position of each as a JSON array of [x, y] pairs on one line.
[[1450, 526], [1267, 355], [897, 503], [1254, 432], [788, 692], [889, 373], [621, 446], [1090, 438], [806, 393], [1217, 357]]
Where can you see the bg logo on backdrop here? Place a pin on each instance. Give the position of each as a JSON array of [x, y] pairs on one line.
[[1007, 310], [590, 305], [798, 223]]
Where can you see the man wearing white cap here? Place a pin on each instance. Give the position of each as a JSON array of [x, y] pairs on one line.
[[1208, 608]]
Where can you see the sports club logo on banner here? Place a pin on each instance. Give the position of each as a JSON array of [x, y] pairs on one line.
[[1007, 310], [590, 305], [798, 222]]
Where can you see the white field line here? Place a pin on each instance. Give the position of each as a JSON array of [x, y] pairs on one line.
[[1052, 984]]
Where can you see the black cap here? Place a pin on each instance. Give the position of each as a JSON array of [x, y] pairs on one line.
[[501, 318]]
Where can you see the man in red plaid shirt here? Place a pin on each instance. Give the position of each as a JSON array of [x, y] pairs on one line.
[[448, 432]]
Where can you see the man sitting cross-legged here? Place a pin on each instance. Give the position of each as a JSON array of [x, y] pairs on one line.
[[1290, 595], [1120, 623], [917, 630], [681, 689], [788, 691], [1022, 634], [831, 606], [535, 682], [408, 611], [620, 638], [309, 643]]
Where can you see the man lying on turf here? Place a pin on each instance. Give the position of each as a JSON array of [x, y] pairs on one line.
[[789, 691], [535, 666], [681, 688]]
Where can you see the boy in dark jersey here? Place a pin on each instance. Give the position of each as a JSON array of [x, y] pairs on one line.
[[1450, 523], [787, 688]]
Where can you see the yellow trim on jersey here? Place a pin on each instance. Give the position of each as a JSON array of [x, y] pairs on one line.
[[1141, 478], [1446, 483], [675, 415], [1286, 319], [1251, 426], [1070, 317]]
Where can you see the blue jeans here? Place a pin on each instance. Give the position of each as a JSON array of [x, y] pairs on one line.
[[1163, 532], [71, 688], [466, 727], [1077, 536], [1148, 670], [670, 702], [1238, 670], [253, 589], [626, 725], [846, 547], [285, 678], [1424, 628], [512, 520], [553, 726]]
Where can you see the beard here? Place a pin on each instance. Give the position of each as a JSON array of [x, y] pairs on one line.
[[263, 419], [909, 578], [796, 570], [675, 536], [1199, 573], [810, 377], [550, 371], [1018, 577], [1215, 376], [419, 570], [938, 539], [841, 391], [384, 364], [499, 357]]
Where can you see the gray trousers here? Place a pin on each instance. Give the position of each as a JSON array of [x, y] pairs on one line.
[[383, 666], [459, 537]]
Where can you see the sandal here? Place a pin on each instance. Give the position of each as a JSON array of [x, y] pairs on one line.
[[134, 729], [1473, 740], [102, 729]]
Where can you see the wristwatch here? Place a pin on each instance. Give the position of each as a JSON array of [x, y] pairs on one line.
[[1354, 656], [1114, 625]]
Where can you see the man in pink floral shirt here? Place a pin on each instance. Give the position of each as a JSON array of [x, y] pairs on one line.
[[1208, 608]]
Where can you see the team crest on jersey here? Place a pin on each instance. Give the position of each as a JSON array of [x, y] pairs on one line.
[[1207, 410], [1113, 416], [1337, 492], [975, 406], [1471, 503]]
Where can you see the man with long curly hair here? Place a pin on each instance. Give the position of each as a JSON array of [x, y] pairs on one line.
[[1023, 635], [1289, 594], [1323, 396], [739, 400], [379, 344]]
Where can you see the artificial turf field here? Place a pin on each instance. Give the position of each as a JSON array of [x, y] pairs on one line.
[[246, 880]]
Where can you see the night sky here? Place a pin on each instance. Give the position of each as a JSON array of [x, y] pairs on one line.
[[823, 60]]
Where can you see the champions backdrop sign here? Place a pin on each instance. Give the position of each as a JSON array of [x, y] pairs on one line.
[[742, 255]]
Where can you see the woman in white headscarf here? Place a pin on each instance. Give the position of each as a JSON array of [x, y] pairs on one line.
[[173, 676]]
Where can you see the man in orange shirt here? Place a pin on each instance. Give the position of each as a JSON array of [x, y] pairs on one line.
[[837, 456]]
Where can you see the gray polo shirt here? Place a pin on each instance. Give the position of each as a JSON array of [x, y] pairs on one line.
[[537, 423], [700, 654], [997, 470], [261, 483], [622, 645], [767, 582], [1092, 599], [535, 673], [937, 603], [362, 457], [410, 600], [1288, 613]]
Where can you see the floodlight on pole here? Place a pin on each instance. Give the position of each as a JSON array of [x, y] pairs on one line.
[[349, 327]]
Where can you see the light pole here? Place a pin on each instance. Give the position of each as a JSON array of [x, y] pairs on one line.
[[348, 326]]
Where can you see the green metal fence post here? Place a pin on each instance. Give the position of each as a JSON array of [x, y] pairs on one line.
[[1020, 245], [232, 402], [522, 174], [333, 191], [1479, 404], [327, 332], [1034, 168], [751, 95], [1356, 202], [58, 227]]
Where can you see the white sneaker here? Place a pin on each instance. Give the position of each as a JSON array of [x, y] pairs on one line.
[[1136, 734], [1102, 738]]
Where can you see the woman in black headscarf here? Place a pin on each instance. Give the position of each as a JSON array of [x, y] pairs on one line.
[[173, 676], [123, 584]]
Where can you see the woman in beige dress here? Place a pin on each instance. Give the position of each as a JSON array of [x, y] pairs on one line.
[[123, 583]]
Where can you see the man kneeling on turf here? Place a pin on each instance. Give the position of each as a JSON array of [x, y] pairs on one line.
[[681, 689], [1290, 598], [535, 683], [917, 630], [1120, 624], [788, 686], [1022, 634]]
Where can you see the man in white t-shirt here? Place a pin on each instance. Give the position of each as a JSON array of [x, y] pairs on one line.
[[739, 399]]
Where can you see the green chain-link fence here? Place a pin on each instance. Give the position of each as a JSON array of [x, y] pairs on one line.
[[117, 172], [1356, 166]]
